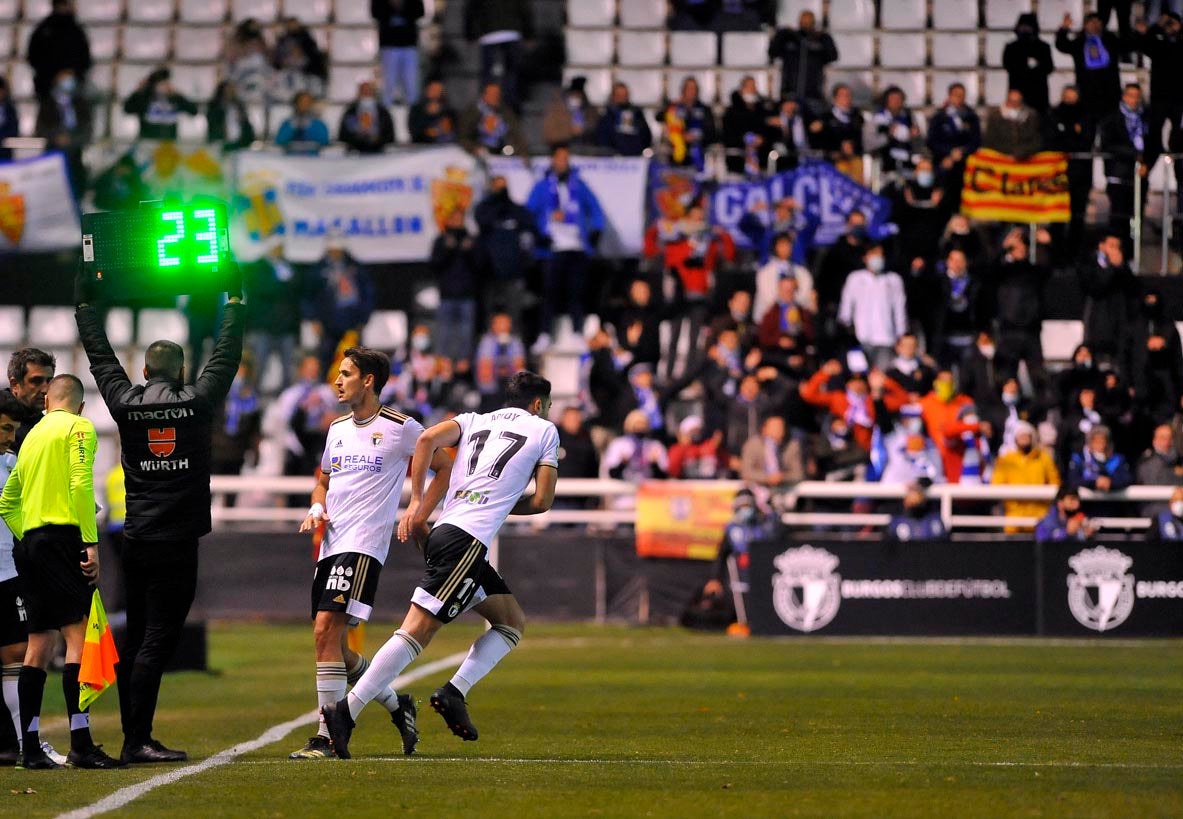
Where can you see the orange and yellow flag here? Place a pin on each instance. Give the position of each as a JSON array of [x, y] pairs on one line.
[[98, 655]]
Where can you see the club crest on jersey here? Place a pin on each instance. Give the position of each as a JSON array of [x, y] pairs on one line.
[[376, 439], [334, 464], [162, 442]]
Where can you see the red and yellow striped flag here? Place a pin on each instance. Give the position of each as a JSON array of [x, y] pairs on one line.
[[98, 655], [1000, 188]]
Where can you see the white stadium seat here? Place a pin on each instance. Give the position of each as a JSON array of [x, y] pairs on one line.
[[156, 323], [12, 325], [861, 82], [119, 326], [197, 82], [590, 46], [640, 48], [199, 44], [942, 79], [52, 327], [995, 44], [127, 77], [856, 49], [344, 79], [1060, 59], [912, 83], [36, 10], [852, 15], [311, 11], [151, 11], [8, 46], [265, 11], [1056, 83], [353, 13], [904, 15], [589, 13], [102, 77], [9, 9], [1060, 339], [996, 85], [730, 78], [203, 11], [598, 85], [900, 50], [104, 42], [353, 45], [124, 127], [99, 11], [643, 14], [1004, 13], [788, 12], [26, 114], [745, 49], [709, 89], [1051, 13], [694, 48], [20, 80], [955, 15], [146, 44], [646, 87], [386, 330], [955, 49]]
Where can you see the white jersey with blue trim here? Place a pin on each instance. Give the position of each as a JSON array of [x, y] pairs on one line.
[[366, 464], [495, 461]]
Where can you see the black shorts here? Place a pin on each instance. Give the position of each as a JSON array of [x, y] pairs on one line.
[[458, 574], [49, 562], [346, 582], [13, 626]]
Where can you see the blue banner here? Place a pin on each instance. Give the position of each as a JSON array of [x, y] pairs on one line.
[[824, 199]]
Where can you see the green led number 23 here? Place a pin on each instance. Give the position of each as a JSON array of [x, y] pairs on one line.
[[165, 252]]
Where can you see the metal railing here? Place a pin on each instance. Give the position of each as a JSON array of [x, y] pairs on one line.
[[789, 501]]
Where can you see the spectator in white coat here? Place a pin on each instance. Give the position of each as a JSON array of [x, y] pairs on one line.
[[873, 306]]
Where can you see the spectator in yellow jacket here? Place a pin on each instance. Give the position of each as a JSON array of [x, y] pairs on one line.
[[1028, 464]]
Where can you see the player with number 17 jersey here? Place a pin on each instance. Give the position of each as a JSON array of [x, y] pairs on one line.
[[495, 460]]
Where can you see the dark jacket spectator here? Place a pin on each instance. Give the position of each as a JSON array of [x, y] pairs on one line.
[[895, 130], [1095, 53], [1013, 128], [689, 127], [804, 54], [432, 120], [1127, 137], [841, 127], [608, 383], [570, 119], [64, 121], [366, 126], [577, 453], [638, 325], [398, 22], [297, 50], [507, 230], [275, 290], [745, 123], [1018, 308], [1097, 466], [484, 16], [623, 127], [10, 125], [490, 125], [1110, 297], [342, 300], [158, 105], [1163, 44], [954, 130], [228, 123], [1028, 63], [120, 187], [58, 42], [1154, 360]]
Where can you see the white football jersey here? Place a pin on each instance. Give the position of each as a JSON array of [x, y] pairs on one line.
[[495, 462], [7, 564], [366, 464]]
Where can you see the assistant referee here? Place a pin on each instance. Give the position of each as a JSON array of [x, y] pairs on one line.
[[164, 428], [48, 503]]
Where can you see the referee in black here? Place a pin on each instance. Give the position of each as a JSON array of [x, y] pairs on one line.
[[164, 427]]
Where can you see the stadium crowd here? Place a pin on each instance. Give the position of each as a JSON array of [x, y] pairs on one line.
[[913, 357]]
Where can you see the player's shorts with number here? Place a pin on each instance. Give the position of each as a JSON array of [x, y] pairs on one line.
[[458, 574], [14, 627], [346, 582]]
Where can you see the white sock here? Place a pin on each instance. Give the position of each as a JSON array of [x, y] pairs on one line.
[[398, 653], [330, 687], [9, 680], [388, 699], [486, 652]]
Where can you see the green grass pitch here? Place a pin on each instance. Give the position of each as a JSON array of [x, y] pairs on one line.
[[615, 721]]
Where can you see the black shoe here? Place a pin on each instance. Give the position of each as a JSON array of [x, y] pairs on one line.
[[451, 707], [36, 760], [340, 725], [150, 751], [9, 756], [316, 747], [93, 758], [404, 721]]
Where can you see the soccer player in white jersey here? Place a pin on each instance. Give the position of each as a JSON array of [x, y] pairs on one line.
[[357, 497], [497, 454]]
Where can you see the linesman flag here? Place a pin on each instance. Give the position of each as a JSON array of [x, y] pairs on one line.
[[98, 655]]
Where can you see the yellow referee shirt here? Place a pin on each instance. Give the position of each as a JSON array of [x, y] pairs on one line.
[[53, 482]]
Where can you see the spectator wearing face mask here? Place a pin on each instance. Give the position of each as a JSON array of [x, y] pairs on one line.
[[1065, 520], [695, 454], [1097, 466], [1110, 295], [874, 307], [58, 42], [768, 460], [895, 132], [979, 376], [788, 133], [1095, 53], [910, 454], [298, 62], [1026, 464], [366, 125], [912, 371], [958, 313], [1006, 410], [1081, 373], [1166, 526], [1018, 298], [921, 216], [1081, 416], [745, 124], [571, 119], [1013, 128], [499, 355], [64, 120], [638, 324], [835, 455], [158, 105], [919, 521], [949, 416], [1028, 62], [855, 401]]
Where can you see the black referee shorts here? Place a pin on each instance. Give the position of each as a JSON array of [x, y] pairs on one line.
[[458, 574], [13, 626], [49, 562]]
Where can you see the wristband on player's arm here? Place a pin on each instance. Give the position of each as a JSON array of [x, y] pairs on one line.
[[316, 511]]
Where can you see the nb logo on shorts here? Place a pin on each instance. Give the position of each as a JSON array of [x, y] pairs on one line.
[[20, 610], [338, 579]]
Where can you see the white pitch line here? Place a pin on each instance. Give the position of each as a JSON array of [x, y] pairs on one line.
[[123, 796], [722, 763]]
